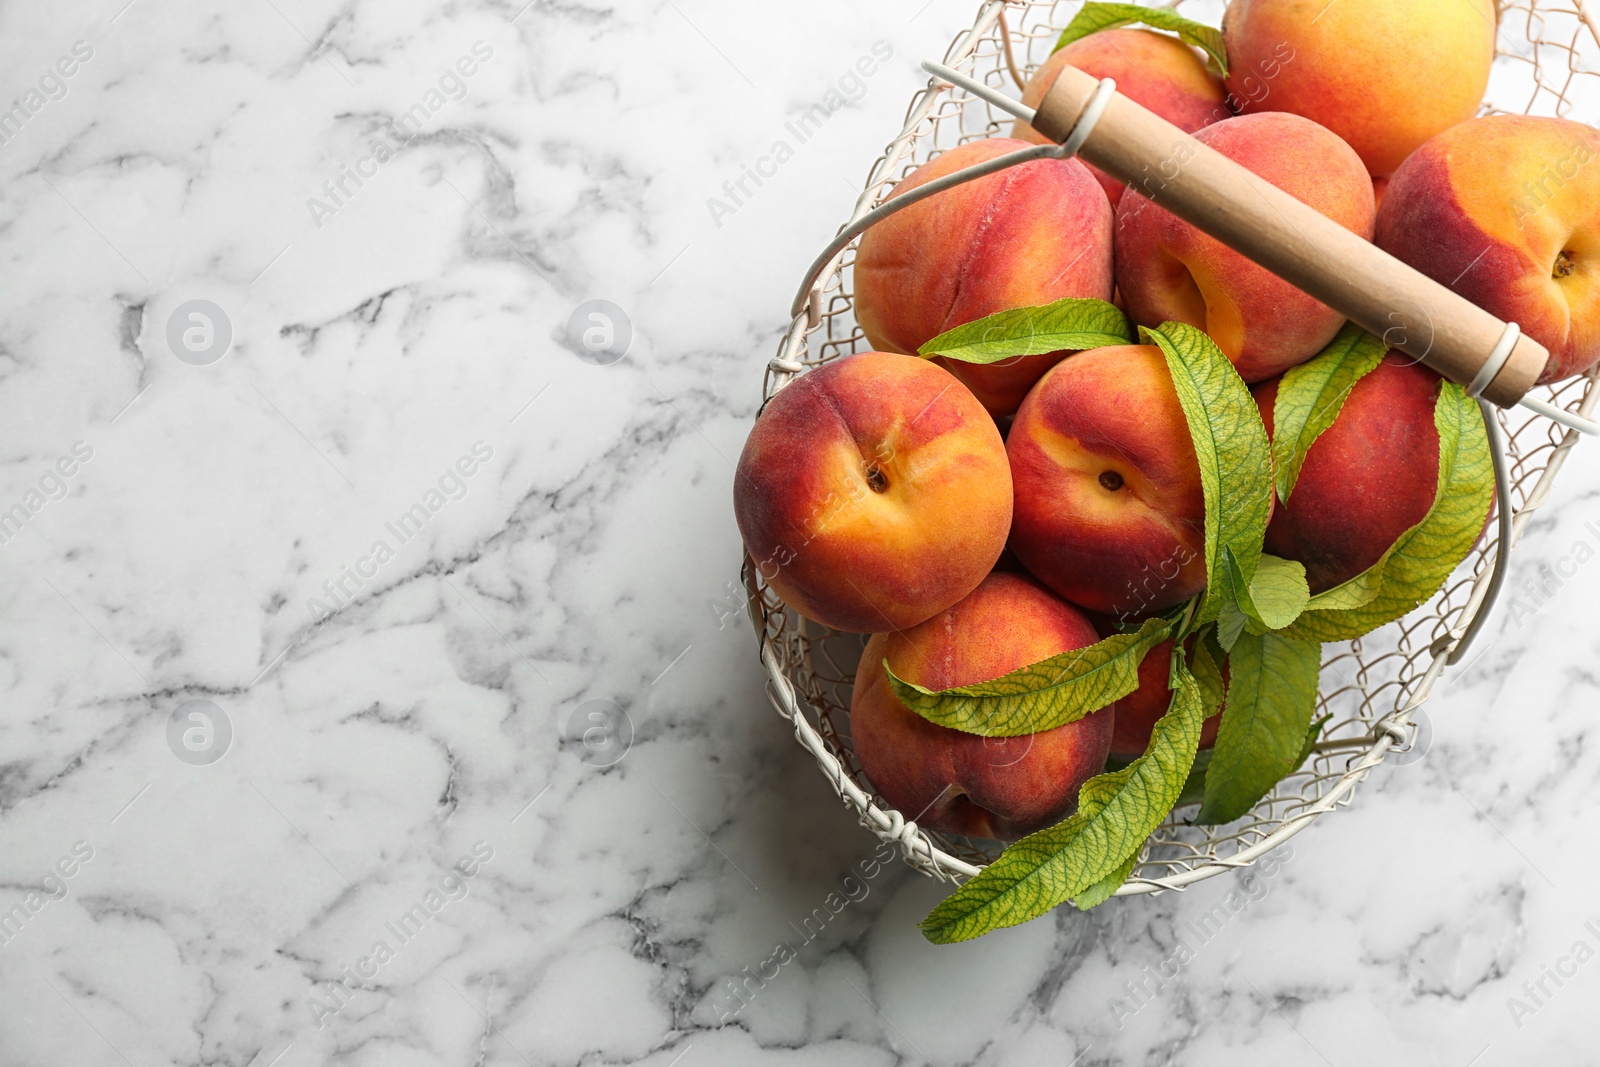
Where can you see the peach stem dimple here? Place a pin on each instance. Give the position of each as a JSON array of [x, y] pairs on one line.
[[1111, 480], [1563, 267], [877, 481]]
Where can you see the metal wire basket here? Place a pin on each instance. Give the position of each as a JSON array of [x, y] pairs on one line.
[[1372, 687]]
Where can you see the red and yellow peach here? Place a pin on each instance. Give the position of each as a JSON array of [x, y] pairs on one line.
[[1109, 509], [961, 783], [1167, 269], [1384, 76], [1506, 211], [873, 492], [1367, 479], [1155, 70], [1029, 235]]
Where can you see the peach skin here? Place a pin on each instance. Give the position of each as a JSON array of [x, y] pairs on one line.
[[960, 783], [1169, 270], [1154, 70], [1505, 210], [1385, 76], [1109, 509], [1369, 478], [873, 492], [1029, 235]]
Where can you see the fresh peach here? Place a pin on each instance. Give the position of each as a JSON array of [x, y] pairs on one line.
[[1028, 235], [1169, 270], [1154, 70], [1109, 509], [1506, 211], [873, 492], [1383, 75], [1140, 710], [960, 783], [1369, 478]]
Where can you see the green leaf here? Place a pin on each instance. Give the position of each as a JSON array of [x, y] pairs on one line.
[[1272, 693], [1235, 458], [1311, 396], [1311, 741], [1054, 865], [1231, 619], [1423, 558], [1194, 788], [1094, 17], [1194, 785], [1277, 594], [1070, 325], [1095, 794], [1107, 887], [1043, 695], [1206, 663], [1212, 695]]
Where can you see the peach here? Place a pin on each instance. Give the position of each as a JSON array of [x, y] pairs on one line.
[[1028, 235], [1384, 76], [960, 783], [1154, 70], [873, 492], [1169, 270], [1369, 478], [1506, 211], [1109, 509], [1140, 710]]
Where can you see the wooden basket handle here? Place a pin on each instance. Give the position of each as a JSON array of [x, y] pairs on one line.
[[1412, 312]]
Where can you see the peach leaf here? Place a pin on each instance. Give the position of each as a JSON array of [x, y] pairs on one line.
[[1117, 812]]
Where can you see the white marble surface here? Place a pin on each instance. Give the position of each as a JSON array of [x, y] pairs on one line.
[[212, 908]]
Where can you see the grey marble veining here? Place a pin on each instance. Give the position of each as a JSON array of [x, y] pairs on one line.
[[405, 547]]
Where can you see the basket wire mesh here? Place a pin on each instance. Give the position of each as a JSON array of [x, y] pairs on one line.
[[1371, 687]]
